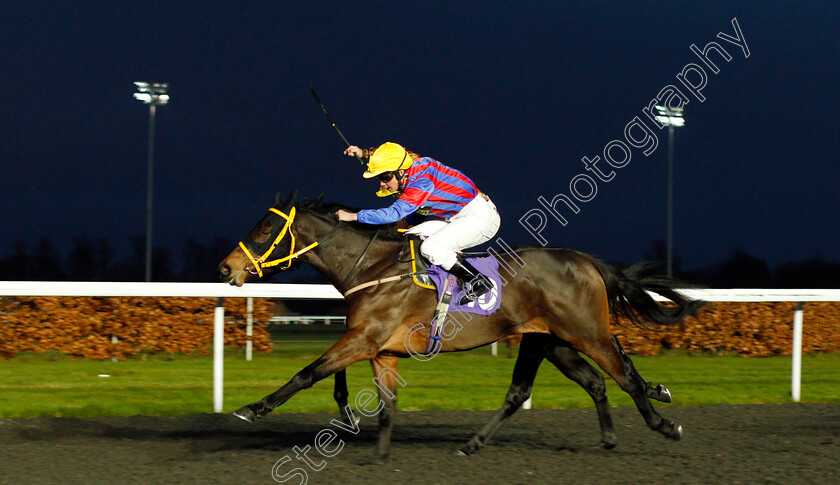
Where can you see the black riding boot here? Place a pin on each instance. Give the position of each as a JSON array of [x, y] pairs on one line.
[[474, 283]]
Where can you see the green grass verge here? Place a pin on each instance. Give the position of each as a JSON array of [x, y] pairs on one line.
[[34, 385]]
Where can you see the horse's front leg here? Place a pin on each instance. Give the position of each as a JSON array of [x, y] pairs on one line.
[[349, 349]]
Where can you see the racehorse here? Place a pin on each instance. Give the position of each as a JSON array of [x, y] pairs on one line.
[[560, 300]]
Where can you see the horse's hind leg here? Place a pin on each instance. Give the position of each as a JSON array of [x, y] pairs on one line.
[[576, 368], [531, 354], [340, 394], [385, 370], [609, 355], [659, 392]]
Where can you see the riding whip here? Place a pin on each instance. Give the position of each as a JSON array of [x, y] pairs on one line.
[[324, 109]]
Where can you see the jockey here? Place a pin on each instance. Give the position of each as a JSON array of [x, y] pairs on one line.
[[462, 216]]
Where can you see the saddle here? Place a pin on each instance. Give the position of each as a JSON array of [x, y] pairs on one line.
[[420, 265], [426, 275]]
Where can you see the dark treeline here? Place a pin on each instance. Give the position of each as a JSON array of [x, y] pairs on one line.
[[95, 260], [742, 270]]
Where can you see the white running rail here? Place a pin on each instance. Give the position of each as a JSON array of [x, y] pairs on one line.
[[328, 292]]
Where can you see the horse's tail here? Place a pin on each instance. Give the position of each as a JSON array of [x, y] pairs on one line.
[[627, 291]]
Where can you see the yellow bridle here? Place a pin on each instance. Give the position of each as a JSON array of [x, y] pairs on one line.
[[260, 263]]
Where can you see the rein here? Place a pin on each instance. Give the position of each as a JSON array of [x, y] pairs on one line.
[[359, 262], [379, 280]]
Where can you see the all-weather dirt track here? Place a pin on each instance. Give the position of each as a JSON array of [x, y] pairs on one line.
[[788, 443]]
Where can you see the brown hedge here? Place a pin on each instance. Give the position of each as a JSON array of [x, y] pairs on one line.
[[83, 327], [746, 329]]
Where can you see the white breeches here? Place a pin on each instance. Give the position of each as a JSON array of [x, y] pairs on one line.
[[477, 222]]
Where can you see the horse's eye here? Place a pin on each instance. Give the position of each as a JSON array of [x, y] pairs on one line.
[[265, 228]]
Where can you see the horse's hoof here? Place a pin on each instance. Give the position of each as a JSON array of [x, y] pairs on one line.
[[604, 446], [670, 429], [245, 414], [347, 420], [676, 432], [467, 449], [659, 393], [664, 394]]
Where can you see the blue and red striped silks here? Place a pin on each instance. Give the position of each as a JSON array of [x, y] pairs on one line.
[[444, 190]]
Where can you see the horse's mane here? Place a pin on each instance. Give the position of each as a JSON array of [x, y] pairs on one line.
[[326, 211]]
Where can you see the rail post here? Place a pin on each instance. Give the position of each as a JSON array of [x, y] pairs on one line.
[[218, 354], [796, 354], [249, 330]]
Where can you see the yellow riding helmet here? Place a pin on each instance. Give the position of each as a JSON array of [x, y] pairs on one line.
[[387, 158]]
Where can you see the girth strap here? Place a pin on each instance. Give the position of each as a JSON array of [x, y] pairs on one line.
[[377, 282]]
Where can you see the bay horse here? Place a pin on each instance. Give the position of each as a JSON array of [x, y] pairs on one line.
[[560, 300]]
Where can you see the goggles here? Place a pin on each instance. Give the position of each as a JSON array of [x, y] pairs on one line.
[[386, 177]]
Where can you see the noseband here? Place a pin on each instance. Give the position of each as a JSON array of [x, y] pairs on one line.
[[260, 262]]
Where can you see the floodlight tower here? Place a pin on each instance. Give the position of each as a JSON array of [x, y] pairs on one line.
[[153, 94], [670, 117]]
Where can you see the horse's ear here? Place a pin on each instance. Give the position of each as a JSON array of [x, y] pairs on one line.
[[288, 203], [319, 199]]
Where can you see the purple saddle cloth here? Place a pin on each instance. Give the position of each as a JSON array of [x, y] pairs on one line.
[[486, 304]]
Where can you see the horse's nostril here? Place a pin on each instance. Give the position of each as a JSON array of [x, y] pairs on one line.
[[224, 269]]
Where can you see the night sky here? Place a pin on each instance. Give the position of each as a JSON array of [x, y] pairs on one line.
[[515, 96]]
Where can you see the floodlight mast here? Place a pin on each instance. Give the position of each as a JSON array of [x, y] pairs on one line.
[[153, 94], [670, 117]]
